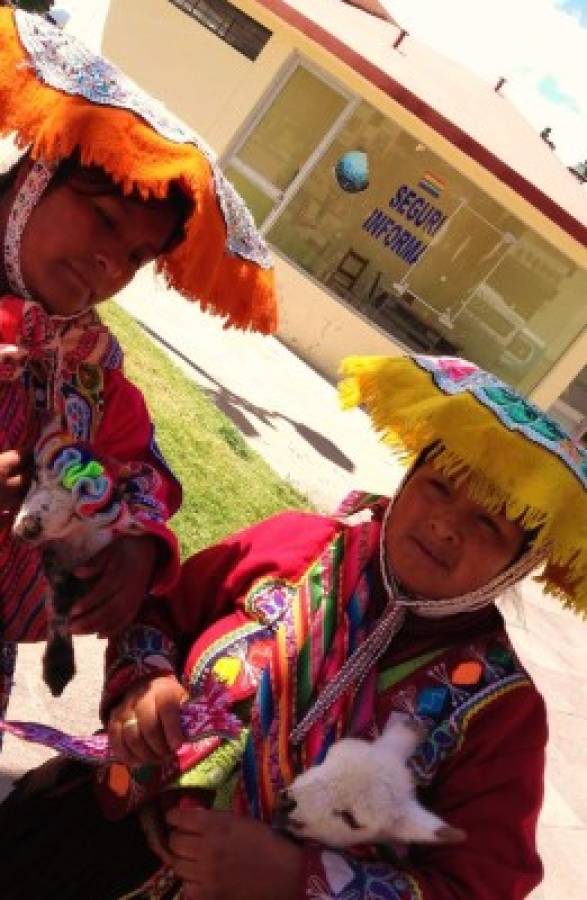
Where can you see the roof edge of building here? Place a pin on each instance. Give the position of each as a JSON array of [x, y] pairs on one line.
[[431, 117]]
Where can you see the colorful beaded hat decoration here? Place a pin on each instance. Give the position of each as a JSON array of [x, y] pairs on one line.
[[58, 98], [510, 454]]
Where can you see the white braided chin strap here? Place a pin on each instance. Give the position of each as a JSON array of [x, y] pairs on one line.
[[369, 652], [29, 194]]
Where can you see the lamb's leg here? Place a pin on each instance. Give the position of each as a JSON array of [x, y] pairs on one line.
[[58, 659], [58, 662], [419, 825]]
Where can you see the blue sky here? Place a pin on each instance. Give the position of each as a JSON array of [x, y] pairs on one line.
[[540, 46], [550, 88], [579, 7]]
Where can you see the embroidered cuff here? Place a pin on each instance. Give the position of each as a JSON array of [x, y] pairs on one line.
[[140, 652]]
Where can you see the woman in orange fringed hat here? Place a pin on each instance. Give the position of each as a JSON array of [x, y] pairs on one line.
[[108, 182], [314, 628]]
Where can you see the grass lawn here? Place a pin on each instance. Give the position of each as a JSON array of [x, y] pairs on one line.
[[226, 484]]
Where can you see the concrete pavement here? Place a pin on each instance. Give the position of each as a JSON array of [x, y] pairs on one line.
[[291, 416]]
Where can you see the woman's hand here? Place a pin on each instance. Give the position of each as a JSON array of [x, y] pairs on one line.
[[221, 856], [145, 727], [122, 575], [14, 480]]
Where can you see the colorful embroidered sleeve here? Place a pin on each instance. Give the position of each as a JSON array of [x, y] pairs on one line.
[[209, 586], [492, 788], [141, 652], [153, 493], [214, 582]]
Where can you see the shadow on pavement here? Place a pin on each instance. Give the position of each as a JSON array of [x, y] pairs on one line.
[[235, 407]]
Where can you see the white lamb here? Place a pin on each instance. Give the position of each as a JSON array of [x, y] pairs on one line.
[[364, 793]]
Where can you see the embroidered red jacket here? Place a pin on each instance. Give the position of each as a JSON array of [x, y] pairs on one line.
[[481, 765]]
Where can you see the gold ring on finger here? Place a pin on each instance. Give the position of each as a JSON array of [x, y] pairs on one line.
[[130, 723]]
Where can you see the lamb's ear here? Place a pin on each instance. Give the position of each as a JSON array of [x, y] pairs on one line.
[[446, 834], [420, 826]]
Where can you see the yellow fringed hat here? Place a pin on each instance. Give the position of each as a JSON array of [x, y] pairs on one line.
[[512, 454], [57, 98]]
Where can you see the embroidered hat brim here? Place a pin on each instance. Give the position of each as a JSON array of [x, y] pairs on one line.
[[58, 98], [508, 452]]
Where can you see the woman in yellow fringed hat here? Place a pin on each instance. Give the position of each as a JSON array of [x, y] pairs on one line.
[[108, 182], [315, 628]]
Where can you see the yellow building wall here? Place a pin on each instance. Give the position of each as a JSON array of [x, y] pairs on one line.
[[563, 372], [560, 319], [208, 84], [215, 89], [320, 328]]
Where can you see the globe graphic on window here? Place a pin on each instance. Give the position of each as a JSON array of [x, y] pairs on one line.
[[352, 171]]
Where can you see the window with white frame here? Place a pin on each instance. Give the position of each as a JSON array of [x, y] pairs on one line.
[[378, 219], [229, 23]]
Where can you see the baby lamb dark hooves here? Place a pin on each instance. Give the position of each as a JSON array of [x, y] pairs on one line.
[[58, 664]]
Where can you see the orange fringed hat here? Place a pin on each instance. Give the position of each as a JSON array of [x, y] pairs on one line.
[[57, 97]]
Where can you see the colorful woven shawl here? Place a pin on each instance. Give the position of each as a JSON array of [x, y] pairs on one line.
[[318, 623]]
